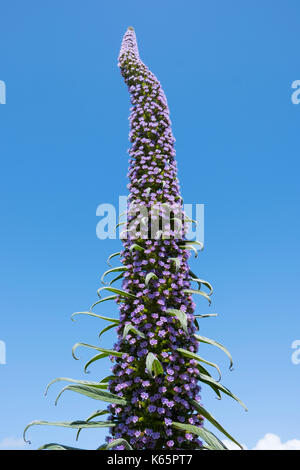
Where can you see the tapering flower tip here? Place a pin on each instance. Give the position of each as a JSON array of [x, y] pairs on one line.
[[129, 45]]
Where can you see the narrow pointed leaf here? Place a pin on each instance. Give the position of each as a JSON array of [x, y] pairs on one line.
[[91, 314], [111, 352], [205, 283], [213, 421], [107, 328], [55, 446], [119, 442], [191, 247], [180, 315], [193, 242], [213, 442], [112, 256], [113, 270], [204, 372], [115, 279], [194, 277], [71, 424], [96, 414], [216, 385], [129, 327], [135, 246], [95, 358], [94, 393], [199, 292], [117, 291], [195, 356], [153, 365], [119, 225], [177, 262], [203, 339], [191, 221], [67, 379], [149, 277], [206, 315], [110, 297]]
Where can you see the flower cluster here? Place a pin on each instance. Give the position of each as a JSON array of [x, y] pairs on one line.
[[154, 401]]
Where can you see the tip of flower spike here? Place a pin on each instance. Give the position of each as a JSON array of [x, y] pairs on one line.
[[130, 28]]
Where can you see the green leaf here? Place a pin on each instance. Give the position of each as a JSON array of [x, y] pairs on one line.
[[119, 442], [129, 327], [110, 352], [213, 442], [213, 421], [102, 447], [95, 358], [107, 328], [204, 372], [193, 242], [121, 292], [195, 356], [199, 292], [191, 247], [194, 276], [206, 315], [121, 215], [72, 424], [107, 378], [159, 234], [112, 256], [177, 262], [94, 393], [203, 316], [110, 297], [153, 365], [202, 376], [119, 225], [216, 385], [180, 315], [91, 314], [149, 277], [55, 446], [191, 221], [205, 283], [95, 414], [135, 246], [115, 279], [203, 339], [67, 379], [113, 270]]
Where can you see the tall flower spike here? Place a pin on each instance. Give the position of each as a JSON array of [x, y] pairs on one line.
[[154, 403], [154, 387]]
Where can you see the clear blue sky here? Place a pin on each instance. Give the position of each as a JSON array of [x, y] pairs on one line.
[[227, 69]]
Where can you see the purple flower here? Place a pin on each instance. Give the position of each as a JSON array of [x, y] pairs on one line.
[[168, 422]]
